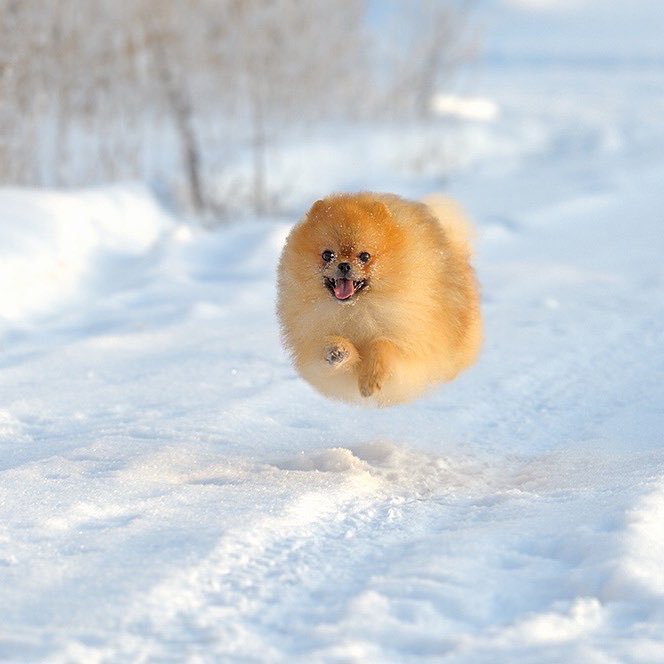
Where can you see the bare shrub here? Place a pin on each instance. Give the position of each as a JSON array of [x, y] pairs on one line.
[[110, 89]]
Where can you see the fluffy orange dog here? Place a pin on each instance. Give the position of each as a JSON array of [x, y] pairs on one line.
[[376, 297]]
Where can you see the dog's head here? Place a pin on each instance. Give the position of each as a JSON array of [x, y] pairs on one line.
[[347, 247]]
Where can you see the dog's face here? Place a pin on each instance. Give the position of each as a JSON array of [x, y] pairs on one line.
[[344, 275], [350, 249]]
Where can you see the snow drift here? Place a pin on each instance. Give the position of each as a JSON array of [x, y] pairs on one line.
[[51, 242]]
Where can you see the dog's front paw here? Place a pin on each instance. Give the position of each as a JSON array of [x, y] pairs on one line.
[[370, 381], [339, 353], [376, 367], [336, 355]]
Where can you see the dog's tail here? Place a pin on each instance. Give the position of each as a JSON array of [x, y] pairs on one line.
[[457, 227]]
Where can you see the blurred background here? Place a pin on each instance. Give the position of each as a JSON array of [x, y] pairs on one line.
[[199, 97], [237, 107]]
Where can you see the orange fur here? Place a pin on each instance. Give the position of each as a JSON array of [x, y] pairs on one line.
[[417, 321]]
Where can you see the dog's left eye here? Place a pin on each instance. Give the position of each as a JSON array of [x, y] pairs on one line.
[[364, 256], [327, 255]]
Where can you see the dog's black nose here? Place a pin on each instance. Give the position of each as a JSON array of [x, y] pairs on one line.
[[344, 268]]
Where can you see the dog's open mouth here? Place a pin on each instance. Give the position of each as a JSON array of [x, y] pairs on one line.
[[344, 289]]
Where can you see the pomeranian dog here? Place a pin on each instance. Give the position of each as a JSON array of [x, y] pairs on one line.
[[377, 300]]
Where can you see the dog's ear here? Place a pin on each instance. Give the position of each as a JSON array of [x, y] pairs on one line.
[[317, 210], [378, 210]]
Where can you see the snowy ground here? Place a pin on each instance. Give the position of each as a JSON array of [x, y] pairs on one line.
[[171, 491]]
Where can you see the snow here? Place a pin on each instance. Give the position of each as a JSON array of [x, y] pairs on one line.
[[466, 108], [172, 491], [51, 242]]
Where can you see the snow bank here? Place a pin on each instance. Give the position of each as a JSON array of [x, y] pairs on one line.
[[52, 242]]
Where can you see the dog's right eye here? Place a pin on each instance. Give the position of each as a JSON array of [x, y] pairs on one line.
[[327, 255]]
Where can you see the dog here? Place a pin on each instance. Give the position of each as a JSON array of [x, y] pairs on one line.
[[376, 297]]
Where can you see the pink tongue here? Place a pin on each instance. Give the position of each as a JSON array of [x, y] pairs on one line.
[[343, 288]]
